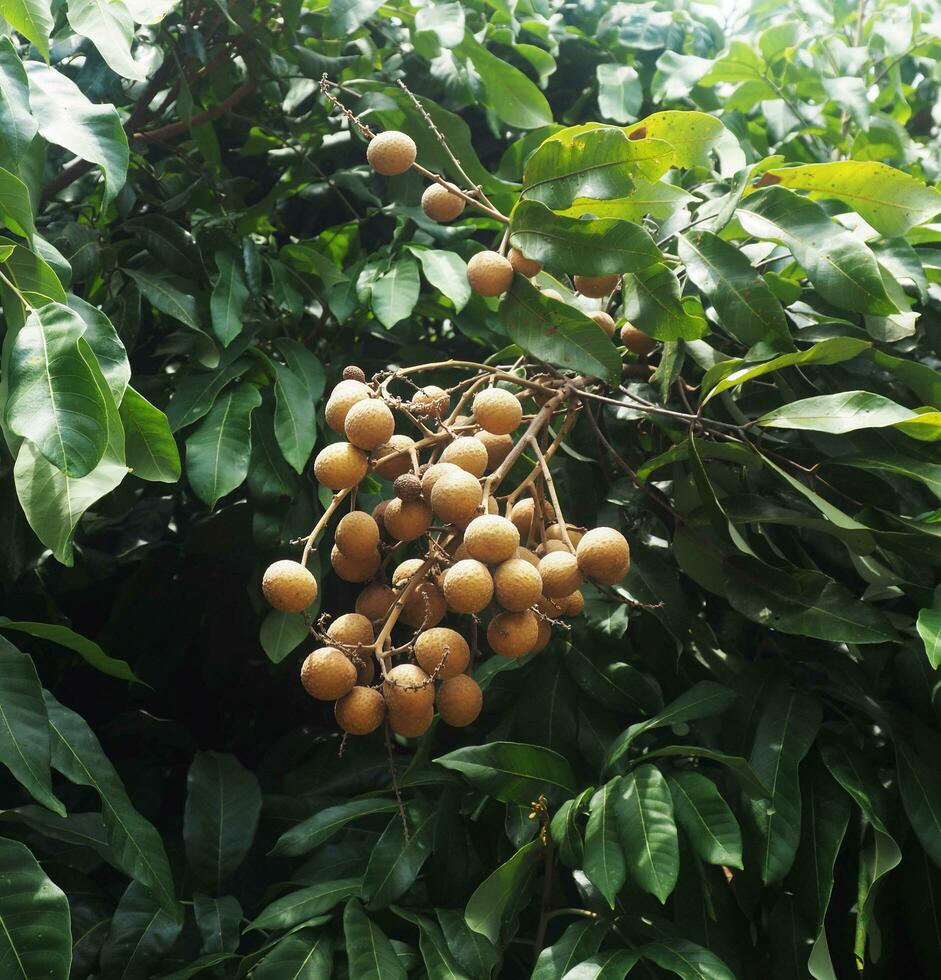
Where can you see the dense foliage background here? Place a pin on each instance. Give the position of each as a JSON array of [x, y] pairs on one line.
[[736, 750]]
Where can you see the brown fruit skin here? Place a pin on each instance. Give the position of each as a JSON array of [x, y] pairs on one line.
[[406, 520], [353, 373], [354, 569], [407, 687], [604, 555], [571, 605], [489, 273], [440, 204], [430, 402], [375, 601], [369, 424], [357, 535], [543, 637], [391, 153], [554, 533], [424, 608], [430, 648], [497, 410], [517, 584], [491, 539], [346, 394], [468, 586], [289, 586], [407, 487], [605, 321], [340, 466], [522, 265], [460, 700], [560, 574], [522, 514], [328, 674], [405, 570], [455, 497], [636, 341], [411, 724], [361, 711], [394, 466], [596, 287], [498, 447], [352, 630], [530, 556], [431, 476], [513, 634], [468, 454]]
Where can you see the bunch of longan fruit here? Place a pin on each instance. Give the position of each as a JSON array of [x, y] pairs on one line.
[[437, 557]]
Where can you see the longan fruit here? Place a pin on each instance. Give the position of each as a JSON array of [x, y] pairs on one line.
[[352, 630], [498, 447], [379, 514], [468, 453], [369, 424], [354, 569], [636, 341], [571, 605], [289, 586], [547, 547], [554, 533], [407, 487], [489, 273], [526, 555], [391, 153], [407, 687], [513, 634], [425, 607], [497, 410], [604, 555], [596, 287], [411, 724], [549, 608], [375, 601], [455, 497], [405, 570], [430, 402], [460, 700], [389, 467], [517, 584], [340, 466], [353, 373], [522, 514], [357, 535], [468, 586], [430, 649], [491, 538], [431, 476], [522, 265], [605, 321], [346, 394], [544, 635], [328, 674], [440, 204], [560, 574], [406, 520], [361, 711]]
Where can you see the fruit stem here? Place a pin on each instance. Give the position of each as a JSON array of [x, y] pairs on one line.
[[553, 496], [549, 453], [338, 499]]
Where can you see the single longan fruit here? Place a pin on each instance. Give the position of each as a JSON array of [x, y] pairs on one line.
[[369, 424], [407, 487], [328, 674], [489, 273], [431, 646], [407, 687], [560, 574], [425, 607], [522, 265], [604, 555], [460, 700], [498, 447], [596, 287], [547, 547], [526, 555], [605, 321], [544, 635], [431, 476], [289, 586], [440, 204], [352, 630], [340, 466], [365, 664], [517, 584], [497, 410], [553, 294], [354, 569], [411, 724], [554, 533], [346, 394], [391, 153], [353, 373], [491, 538], [571, 605], [388, 466], [468, 453], [522, 514], [455, 497], [549, 608], [361, 711], [468, 586], [406, 520], [405, 570], [357, 535], [636, 341], [513, 634], [375, 601], [430, 402]]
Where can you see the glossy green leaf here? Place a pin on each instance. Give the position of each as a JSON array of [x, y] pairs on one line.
[[167, 297], [928, 625], [219, 921], [652, 302], [692, 135], [476, 954], [320, 827], [440, 962], [281, 633], [648, 831], [395, 293], [15, 206], [846, 411], [151, 450], [579, 942], [304, 955], [620, 92], [299, 906], [495, 898], [17, 126], [614, 964], [347, 15], [921, 797], [445, 271], [686, 959], [229, 296], [87, 649], [32, 18], [295, 423], [603, 860], [109, 26], [899, 464], [706, 819], [141, 934], [612, 683], [395, 862], [370, 954]]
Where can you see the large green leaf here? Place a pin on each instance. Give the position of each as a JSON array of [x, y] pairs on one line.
[[845, 411], [692, 135], [395, 861], [33, 19], [495, 899], [613, 964], [142, 933], [921, 796], [229, 296], [395, 293], [87, 649], [476, 954], [320, 827], [603, 860], [579, 942], [169, 298], [304, 955], [439, 960], [15, 205], [620, 92], [17, 126], [706, 818], [109, 349], [371, 956], [109, 26], [928, 625], [652, 302], [295, 421], [299, 906], [686, 959], [446, 271], [735, 764], [150, 448], [612, 683]]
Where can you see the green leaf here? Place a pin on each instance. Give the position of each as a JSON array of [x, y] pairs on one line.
[[579, 942], [446, 271], [736, 765], [348, 15], [217, 453], [229, 296], [219, 921], [440, 962], [167, 298], [17, 126], [648, 831], [304, 955], [845, 411], [921, 797], [557, 333], [477, 955], [603, 860], [890, 200], [686, 960], [150, 447], [652, 299], [496, 898], [692, 135], [295, 421], [31, 274], [15, 206], [320, 827], [223, 803], [513, 772], [928, 625], [786, 730], [620, 92], [109, 26], [915, 469], [141, 934], [299, 906], [706, 818], [108, 348], [395, 293], [35, 931], [613, 964], [281, 633], [395, 862], [371, 956], [840, 266], [87, 649], [33, 19], [612, 683]]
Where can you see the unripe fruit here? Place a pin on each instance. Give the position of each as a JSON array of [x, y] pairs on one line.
[[354, 569], [554, 533], [430, 648], [357, 535], [375, 601], [430, 402], [636, 341], [560, 574], [571, 605], [596, 287], [289, 586], [369, 424], [553, 294], [522, 265], [361, 711], [424, 608], [340, 466], [411, 724], [543, 637], [389, 467], [406, 520], [460, 700], [352, 630], [491, 538], [513, 634], [526, 555], [431, 476], [498, 447], [456, 497], [391, 153], [328, 674], [517, 584], [407, 487], [468, 586], [353, 373], [605, 321], [604, 555], [497, 410], [440, 204], [468, 453], [346, 394], [489, 273], [407, 687]]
